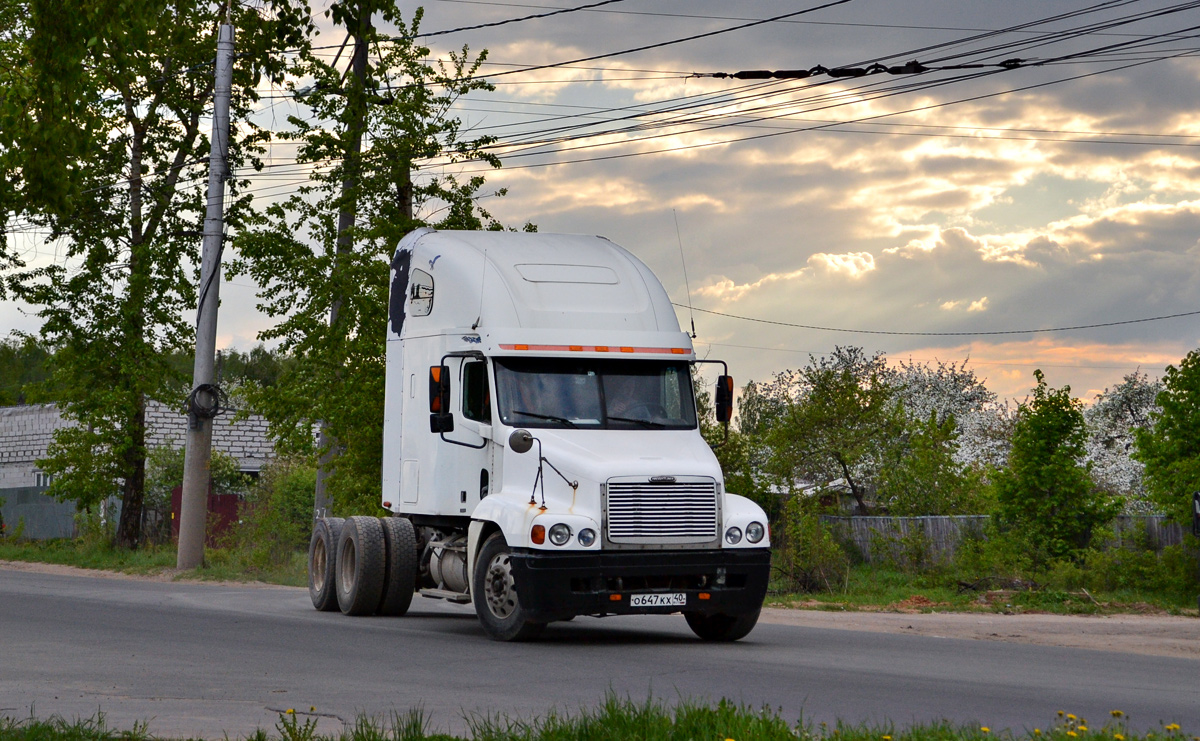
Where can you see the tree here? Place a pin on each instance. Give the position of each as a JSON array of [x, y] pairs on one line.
[[926, 479], [1170, 446], [736, 451], [983, 426], [323, 256], [106, 124], [1113, 421], [836, 420], [24, 363], [1046, 490]]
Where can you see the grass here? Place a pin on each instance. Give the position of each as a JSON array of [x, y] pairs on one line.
[[871, 588], [221, 564], [876, 588], [617, 719]]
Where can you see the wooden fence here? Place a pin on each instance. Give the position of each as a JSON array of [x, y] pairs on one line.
[[904, 539]]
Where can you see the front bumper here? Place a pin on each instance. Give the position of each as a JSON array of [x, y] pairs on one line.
[[554, 586]]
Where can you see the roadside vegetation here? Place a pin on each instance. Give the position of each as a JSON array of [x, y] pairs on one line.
[[618, 719], [846, 436]]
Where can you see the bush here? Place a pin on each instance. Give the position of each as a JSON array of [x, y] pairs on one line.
[[276, 518], [811, 560]]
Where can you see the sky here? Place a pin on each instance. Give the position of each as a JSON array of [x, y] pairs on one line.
[[927, 216]]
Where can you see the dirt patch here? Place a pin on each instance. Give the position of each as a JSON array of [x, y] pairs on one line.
[[915, 603], [1150, 634]]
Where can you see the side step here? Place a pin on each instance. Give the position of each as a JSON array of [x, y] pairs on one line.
[[445, 594]]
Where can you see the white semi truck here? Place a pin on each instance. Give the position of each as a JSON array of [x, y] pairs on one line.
[[542, 456]]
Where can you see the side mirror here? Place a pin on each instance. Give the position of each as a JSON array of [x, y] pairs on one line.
[[440, 418], [520, 441], [724, 398]]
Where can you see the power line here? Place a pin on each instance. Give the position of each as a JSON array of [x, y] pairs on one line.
[[939, 334], [517, 20]]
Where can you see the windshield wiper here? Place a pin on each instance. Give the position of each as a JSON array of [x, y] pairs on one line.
[[550, 417], [642, 422]]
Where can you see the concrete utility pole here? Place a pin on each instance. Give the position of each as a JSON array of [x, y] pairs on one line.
[[204, 401], [357, 104]]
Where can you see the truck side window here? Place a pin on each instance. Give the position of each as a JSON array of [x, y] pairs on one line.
[[477, 400]]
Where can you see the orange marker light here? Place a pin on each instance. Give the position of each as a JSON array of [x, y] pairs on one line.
[[704, 595], [601, 348], [520, 347], [679, 351], [538, 534], [626, 349], [614, 598], [575, 348]]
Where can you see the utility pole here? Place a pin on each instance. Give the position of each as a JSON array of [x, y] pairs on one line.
[[204, 401], [356, 103]]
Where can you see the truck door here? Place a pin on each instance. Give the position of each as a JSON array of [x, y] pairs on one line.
[[469, 468]]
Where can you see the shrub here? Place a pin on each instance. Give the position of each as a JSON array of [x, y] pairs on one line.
[[811, 559], [277, 515]]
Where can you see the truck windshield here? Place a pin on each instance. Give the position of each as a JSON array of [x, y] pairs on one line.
[[595, 393]]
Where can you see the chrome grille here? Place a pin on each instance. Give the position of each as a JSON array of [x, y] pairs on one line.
[[645, 512]]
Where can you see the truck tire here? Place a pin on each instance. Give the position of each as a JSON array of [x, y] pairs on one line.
[[400, 560], [494, 593], [360, 566], [322, 563], [722, 627]]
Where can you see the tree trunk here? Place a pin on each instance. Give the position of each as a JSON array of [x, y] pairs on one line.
[[129, 531]]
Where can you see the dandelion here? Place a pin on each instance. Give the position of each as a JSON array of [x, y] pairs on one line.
[[291, 711], [1118, 737], [1037, 731], [1060, 713], [1082, 727], [1071, 716], [1072, 734], [984, 729], [1116, 713], [886, 738], [312, 708]]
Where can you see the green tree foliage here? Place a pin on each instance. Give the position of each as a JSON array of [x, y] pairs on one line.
[[927, 478], [24, 363], [106, 126], [1170, 446], [837, 418], [323, 256], [1046, 489], [737, 453]]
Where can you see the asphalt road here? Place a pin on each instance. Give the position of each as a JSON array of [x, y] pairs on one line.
[[204, 660]]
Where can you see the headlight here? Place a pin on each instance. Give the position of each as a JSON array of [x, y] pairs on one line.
[[755, 532], [733, 535], [587, 536], [560, 534]]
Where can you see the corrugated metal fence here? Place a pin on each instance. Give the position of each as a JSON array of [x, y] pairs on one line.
[[937, 538]]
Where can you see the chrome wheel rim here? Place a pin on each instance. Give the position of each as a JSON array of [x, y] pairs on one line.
[[499, 587]]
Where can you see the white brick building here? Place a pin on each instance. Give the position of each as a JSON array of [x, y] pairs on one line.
[[26, 432]]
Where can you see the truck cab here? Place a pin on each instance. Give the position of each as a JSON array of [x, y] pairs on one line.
[[541, 443]]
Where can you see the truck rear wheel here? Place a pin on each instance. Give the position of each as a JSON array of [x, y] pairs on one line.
[[722, 627], [494, 592], [322, 563], [400, 579], [360, 566]]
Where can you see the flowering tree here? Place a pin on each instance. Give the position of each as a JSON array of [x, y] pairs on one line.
[[1113, 420]]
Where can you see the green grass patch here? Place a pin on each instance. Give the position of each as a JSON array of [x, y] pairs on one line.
[[221, 564], [873, 587], [617, 719]]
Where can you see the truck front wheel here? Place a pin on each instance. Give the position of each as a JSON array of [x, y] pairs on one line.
[[721, 627], [494, 591]]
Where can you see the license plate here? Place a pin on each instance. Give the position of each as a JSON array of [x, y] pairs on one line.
[[674, 599]]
